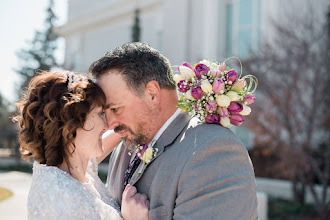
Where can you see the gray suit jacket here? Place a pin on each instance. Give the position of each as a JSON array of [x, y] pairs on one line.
[[202, 171]]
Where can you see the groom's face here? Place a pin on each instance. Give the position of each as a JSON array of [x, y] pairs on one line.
[[129, 115]]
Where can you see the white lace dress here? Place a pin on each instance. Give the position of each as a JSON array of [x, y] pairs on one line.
[[54, 194]]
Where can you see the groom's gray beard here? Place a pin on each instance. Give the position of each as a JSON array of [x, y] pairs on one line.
[[133, 142]]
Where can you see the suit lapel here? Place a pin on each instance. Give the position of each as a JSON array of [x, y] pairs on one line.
[[167, 138], [122, 165]]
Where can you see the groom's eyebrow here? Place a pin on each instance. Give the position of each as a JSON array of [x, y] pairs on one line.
[[109, 105]]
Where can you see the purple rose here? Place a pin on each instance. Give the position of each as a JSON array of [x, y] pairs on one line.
[[249, 99], [223, 112], [201, 69], [218, 86], [184, 86], [211, 105], [235, 107], [187, 65], [212, 119], [236, 119], [231, 76], [197, 92]]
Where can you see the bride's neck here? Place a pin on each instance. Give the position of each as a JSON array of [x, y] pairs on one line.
[[76, 166]]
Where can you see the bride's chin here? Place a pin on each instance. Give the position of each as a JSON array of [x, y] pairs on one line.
[[101, 151]]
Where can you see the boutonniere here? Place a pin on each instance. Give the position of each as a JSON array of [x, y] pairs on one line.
[[146, 153]]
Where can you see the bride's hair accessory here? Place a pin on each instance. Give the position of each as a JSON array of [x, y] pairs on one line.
[[73, 79], [214, 92]]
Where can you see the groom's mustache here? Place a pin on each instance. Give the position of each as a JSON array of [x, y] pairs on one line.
[[120, 128]]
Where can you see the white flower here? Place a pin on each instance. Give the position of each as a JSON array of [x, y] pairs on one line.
[[233, 96], [186, 72], [246, 110], [147, 156], [225, 122], [188, 95], [206, 62], [214, 66], [206, 86], [177, 78], [223, 101]]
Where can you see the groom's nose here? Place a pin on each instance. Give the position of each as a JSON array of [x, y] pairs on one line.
[[111, 120]]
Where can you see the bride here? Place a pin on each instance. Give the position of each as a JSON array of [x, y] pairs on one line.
[[61, 126]]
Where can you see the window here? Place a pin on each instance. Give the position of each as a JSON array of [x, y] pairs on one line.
[[242, 27]]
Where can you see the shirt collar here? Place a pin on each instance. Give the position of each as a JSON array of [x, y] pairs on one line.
[[163, 128]]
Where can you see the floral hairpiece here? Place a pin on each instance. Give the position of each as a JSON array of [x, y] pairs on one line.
[[74, 78], [215, 93]]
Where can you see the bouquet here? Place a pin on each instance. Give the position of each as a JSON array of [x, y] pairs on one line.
[[215, 93]]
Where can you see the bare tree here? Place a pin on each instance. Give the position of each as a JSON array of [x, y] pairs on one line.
[[292, 114]]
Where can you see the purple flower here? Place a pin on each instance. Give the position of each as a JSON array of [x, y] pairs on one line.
[[212, 119], [195, 107], [218, 85], [236, 120], [197, 92], [231, 76], [248, 99], [184, 86], [211, 105], [235, 107], [141, 150], [222, 67], [216, 73], [187, 65], [223, 112], [201, 69]]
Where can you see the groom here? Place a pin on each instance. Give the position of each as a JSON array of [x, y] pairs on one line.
[[201, 171]]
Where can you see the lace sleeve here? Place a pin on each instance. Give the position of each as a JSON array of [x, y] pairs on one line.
[[54, 194], [63, 205]]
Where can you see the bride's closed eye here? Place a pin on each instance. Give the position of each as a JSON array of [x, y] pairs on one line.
[[103, 115]]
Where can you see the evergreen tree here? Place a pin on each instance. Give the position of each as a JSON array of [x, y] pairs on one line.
[[136, 32], [41, 53]]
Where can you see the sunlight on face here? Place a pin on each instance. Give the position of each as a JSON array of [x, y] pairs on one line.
[[126, 113], [89, 138]]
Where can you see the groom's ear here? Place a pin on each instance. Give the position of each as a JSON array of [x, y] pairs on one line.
[[152, 91]]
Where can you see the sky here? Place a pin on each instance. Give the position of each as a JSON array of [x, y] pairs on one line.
[[19, 20]]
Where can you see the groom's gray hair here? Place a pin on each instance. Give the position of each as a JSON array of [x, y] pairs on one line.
[[139, 63]]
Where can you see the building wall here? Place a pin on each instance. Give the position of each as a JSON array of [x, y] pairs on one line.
[[184, 30]]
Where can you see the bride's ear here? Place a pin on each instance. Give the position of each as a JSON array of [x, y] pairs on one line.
[[152, 91]]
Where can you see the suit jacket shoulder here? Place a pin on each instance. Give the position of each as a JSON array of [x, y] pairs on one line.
[[205, 173]]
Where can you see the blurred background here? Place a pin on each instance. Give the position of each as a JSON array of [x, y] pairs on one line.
[[284, 43]]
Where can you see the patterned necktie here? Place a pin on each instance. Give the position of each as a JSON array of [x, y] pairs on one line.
[[131, 169]]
